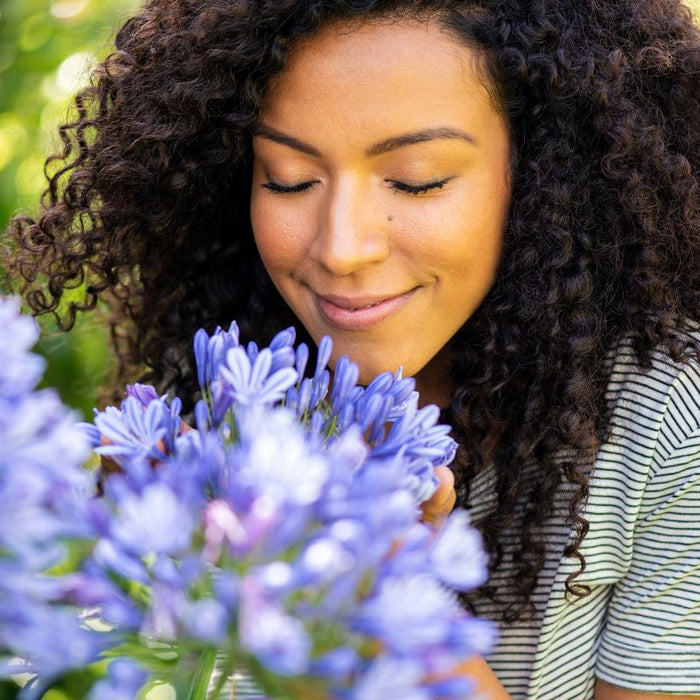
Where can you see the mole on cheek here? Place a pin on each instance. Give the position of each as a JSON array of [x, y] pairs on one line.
[[390, 217]]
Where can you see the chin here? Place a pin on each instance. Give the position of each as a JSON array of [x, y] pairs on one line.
[[368, 371], [374, 357], [369, 367], [367, 375]]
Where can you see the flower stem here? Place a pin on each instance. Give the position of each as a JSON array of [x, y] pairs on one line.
[[199, 683]]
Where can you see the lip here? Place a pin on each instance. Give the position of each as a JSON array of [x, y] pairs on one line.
[[360, 313]]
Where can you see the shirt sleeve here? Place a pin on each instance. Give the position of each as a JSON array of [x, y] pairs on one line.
[[651, 640]]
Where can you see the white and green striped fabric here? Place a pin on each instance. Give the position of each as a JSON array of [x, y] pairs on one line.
[[640, 627], [238, 687]]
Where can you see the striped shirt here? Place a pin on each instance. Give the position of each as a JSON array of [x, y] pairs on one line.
[[639, 628], [239, 686]]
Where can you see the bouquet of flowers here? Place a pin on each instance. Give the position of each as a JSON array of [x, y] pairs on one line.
[[279, 536]]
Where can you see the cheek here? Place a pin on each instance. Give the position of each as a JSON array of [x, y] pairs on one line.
[[457, 241], [282, 241], [449, 233], [477, 223]]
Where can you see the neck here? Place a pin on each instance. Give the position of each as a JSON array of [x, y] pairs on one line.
[[433, 382]]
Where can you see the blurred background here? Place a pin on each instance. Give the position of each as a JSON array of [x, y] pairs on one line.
[[46, 50]]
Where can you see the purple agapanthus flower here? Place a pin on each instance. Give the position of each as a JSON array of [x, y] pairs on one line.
[[125, 679], [43, 498], [20, 370], [281, 530], [138, 431]]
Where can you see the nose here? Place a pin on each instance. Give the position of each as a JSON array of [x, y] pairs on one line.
[[350, 232]]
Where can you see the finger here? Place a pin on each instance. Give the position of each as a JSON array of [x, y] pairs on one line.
[[107, 464], [441, 503]]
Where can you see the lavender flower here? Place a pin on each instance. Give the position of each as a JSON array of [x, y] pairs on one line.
[[135, 431], [44, 506], [277, 639], [255, 381], [389, 677], [20, 370], [154, 521], [210, 352], [125, 679], [458, 542], [282, 532]]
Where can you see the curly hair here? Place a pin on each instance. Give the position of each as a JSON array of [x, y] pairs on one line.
[[147, 209]]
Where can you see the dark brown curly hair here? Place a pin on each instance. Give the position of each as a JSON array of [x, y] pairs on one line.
[[147, 209]]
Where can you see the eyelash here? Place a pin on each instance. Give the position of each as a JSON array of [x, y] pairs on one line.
[[278, 188], [418, 189]]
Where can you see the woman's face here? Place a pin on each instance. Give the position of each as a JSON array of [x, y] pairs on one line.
[[380, 193]]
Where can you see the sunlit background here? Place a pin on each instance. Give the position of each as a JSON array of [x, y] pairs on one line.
[[46, 50]]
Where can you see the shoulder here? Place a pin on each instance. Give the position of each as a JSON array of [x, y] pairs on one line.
[[659, 403], [646, 478], [653, 433]]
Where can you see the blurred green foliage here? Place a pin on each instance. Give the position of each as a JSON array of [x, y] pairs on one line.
[[46, 49]]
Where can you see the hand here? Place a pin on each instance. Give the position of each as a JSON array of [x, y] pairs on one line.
[[108, 465], [440, 504], [487, 685]]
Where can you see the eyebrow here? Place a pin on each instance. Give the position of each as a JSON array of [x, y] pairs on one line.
[[390, 144]]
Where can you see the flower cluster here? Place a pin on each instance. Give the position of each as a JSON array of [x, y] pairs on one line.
[[281, 531], [42, 489]]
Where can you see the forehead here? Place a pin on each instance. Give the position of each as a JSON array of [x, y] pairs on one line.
[[403, 74]]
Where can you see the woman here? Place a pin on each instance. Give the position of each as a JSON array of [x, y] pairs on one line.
[[502, 198]]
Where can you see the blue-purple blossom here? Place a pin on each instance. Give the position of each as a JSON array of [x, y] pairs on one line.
[[458, 542], [256, 381], [20, 370], [276, 460], [391, 677], [125, 679], [207, 620], [142, 392], [409, 614], [44, 505], [282, 529], [51, 640], [154, 521], [210, 351], [279, 640], [135, 431]]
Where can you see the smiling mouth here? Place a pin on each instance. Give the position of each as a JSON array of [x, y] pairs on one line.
[[360, 314], [358, 307]]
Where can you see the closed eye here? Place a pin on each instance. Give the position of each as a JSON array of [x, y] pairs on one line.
[[279, 188], [422, 188]]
